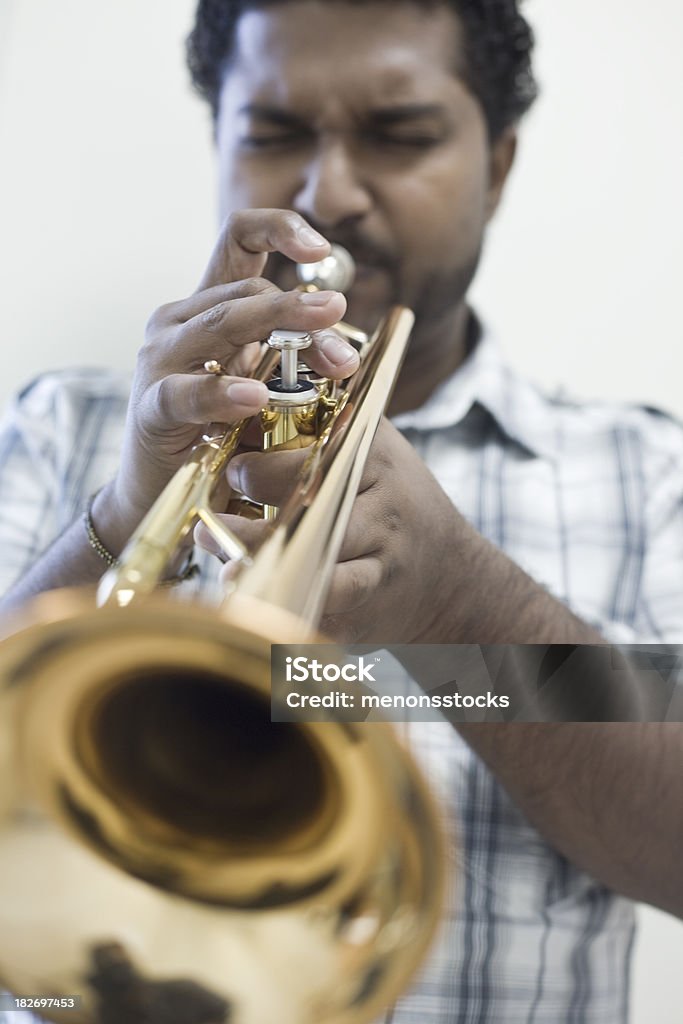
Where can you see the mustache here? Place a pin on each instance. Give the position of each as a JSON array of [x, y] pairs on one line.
[[364, 251]]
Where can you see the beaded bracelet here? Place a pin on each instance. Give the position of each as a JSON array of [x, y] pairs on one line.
[[189, 570]]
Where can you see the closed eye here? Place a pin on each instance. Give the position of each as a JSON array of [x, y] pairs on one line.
[[271, 139], [416, 126], [266, 127], [413, 140]]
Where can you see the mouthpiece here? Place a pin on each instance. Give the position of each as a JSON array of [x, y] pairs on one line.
[[335, 272]]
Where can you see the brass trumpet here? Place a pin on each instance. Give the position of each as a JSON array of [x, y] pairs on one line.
[[164, 847]]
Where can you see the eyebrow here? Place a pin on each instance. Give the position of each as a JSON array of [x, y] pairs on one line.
[[381, 115], [267, 113], [406, 112]]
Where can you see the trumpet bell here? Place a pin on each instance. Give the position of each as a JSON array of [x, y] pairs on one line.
[[162, 839]]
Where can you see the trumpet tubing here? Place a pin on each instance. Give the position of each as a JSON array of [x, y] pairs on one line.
[[162, 841]]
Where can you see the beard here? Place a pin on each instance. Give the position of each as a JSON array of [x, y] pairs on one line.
[[444, 292], [383, 281]]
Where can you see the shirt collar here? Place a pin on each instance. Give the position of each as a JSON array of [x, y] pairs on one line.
[[484, 379]]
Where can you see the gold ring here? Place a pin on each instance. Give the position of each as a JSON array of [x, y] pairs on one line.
[[214, 367]]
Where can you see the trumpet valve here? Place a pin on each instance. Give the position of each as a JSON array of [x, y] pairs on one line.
[[289, 344]]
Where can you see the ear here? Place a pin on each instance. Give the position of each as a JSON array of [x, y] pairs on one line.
[[501, 160]]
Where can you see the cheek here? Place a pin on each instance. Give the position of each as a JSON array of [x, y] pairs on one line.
[[442, 222], [243, 185], [444, 218], [449, 206]]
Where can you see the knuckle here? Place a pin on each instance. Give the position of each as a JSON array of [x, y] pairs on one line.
[[382, 461], [159, 334], [214, 319], [292, 221], [161, 396], [357, 585], [378, 469], [370, 480], [153, 323], [197, 409], [234, 222], [160, 318], [173, 401], [146, 353], [288, 305], [392, 520], [258, 286]]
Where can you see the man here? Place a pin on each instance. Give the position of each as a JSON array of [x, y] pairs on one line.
[[486, 513]]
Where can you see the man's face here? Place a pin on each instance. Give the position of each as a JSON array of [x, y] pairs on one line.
[[354, 116]]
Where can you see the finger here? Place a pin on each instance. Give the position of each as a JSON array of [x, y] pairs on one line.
[[250, 531], [353, 585], [173, 313], [223, 330], [266, 477], [367, 532], [390, 456], [248, 236], [181, 399], [331, 355]]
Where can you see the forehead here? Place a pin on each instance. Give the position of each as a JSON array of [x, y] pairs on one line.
[[385, 52]]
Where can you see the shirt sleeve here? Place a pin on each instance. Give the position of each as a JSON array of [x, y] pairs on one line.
[[59, 442], [28, 479], [661, 603], [651, 575]]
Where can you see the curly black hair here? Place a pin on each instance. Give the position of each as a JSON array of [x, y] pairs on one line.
[[498, 48]]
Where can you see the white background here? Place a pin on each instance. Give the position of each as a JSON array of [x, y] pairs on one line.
[[107, 210]]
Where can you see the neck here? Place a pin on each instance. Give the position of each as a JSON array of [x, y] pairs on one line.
[[436, 350]]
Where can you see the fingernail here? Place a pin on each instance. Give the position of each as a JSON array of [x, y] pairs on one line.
[[310, 237], [316, 298], [336, 350], [247, 392]]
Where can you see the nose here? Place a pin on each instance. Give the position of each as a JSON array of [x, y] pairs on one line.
[[332, 190]]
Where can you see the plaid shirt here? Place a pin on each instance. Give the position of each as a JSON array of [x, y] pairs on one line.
[[587, 499]]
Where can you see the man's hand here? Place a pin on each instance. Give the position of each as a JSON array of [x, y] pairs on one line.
[[393, 574], [233, 310], [411, 568]]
